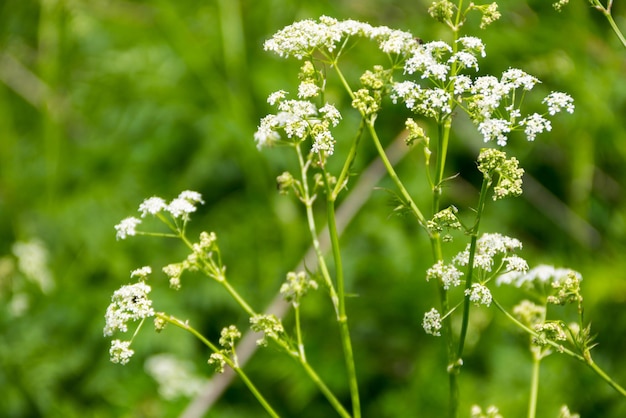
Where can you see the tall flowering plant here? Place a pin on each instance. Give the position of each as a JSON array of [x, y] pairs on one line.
[[435, 81]]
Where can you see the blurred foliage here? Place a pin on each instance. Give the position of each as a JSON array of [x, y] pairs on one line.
[[106, 102]]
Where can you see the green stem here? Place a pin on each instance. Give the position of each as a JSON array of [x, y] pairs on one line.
[[216, 272], [231, 290], [453, 386], [534, 383], [443, 137], [324, 389], [184, 325], [308, 203], [342, 318], [369, 121], [470, 264], [559, 348], [606, 377], [392, 173], [345, 171], [606, 11]]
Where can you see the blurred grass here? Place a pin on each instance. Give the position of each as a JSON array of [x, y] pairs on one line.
[[103, 103]]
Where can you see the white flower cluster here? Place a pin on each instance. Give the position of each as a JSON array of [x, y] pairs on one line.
[[542, 274], [269, 325], [492, 103], [128, 303], [489, 248], [296, 286], [301, 39], [432, 322], [179, 208], [448, 275], [479, 294], [299, 119], [435, 59], [120, 351], [491, 412]]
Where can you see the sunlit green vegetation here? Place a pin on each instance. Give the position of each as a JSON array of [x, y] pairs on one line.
[[104, 103]]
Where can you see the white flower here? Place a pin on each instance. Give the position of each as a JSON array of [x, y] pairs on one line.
[[448, 275], [127, 227], [392, 41], [308, 89], [302, 38], [479, 294], [331, 114], [473, 44], [184, 204], [428, 59], [265, 134], [141, 273], [516, 263], [487, 247], [277, 96], [557, 101], [152, 206], [432, 322], [535, 124], [466, 59], [462, 84], [495, 129], [191, 196], [129, 303], [323, 140], [120, 351], [516, 78], [543, 274], [487, 93]]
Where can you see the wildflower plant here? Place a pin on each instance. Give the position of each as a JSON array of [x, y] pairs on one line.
[[434, 81]]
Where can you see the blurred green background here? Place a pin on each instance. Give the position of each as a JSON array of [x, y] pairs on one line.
[[104, 103]]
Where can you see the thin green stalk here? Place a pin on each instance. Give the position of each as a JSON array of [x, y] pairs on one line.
[[534, 383], [443, 137], [345, 171], [296, 311], [336, 300], [231, 290], [184, 325], [346, 342], [308, 203], [606, 377], [559, 348], [369, 121], [392, 173], [606, 11], [470, 265], [453, 386], [325, 390], [215, 271]]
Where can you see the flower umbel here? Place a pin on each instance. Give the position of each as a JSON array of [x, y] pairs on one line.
[[120, 351], [129, 303], [432, 322]]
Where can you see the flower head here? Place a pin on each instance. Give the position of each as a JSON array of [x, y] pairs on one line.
[[152, 206], [448, 275], [479, 294], [127, 227], [432, 322], [128, 303], [296, 286], [557, 101], [120, 352]]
